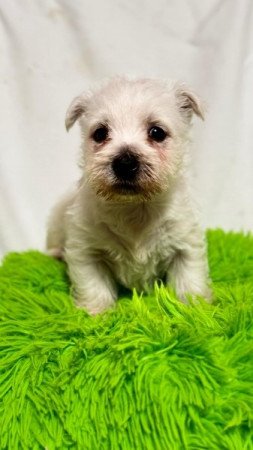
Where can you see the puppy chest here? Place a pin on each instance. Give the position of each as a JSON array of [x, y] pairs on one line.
[[140, 266]]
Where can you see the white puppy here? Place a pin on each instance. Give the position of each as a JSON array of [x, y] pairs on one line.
[[130, 220]]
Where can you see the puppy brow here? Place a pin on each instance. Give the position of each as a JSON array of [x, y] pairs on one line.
[[153, 120]]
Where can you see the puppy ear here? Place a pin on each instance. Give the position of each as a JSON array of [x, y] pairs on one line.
[[189, 103], [75, 110]]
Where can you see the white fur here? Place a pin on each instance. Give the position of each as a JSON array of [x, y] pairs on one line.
[[108, 237]]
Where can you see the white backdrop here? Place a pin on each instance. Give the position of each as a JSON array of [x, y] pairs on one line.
[[52, 50]]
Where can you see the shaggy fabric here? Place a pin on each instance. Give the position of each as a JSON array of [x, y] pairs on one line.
[[150, 374]]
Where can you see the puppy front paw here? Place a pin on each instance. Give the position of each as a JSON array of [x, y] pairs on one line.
[[95, 304], [189, 278], [186, 290]]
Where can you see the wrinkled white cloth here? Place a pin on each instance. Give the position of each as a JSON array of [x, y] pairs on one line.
[[52, 50]]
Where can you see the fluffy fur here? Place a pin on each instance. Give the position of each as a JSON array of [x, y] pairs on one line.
[[131, 233], [150, 374]]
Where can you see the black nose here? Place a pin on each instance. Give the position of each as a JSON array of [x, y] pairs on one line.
[[125, 166]]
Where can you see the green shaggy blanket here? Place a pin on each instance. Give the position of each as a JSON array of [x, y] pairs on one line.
[[151, 374]]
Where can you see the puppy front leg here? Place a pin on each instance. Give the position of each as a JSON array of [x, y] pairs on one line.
[[188, 274], [95, 289]]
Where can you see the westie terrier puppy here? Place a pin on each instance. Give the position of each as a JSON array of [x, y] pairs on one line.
[[130, 220]]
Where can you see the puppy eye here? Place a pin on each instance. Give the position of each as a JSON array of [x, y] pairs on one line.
[[157, 134], [100, 134]]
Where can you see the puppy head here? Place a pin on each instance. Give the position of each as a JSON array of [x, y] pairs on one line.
[[134, 136]]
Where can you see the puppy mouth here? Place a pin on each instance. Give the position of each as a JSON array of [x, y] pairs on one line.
[[126, 188], [127, 191]]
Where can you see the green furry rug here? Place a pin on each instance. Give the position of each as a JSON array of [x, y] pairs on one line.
[[151, 374]]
